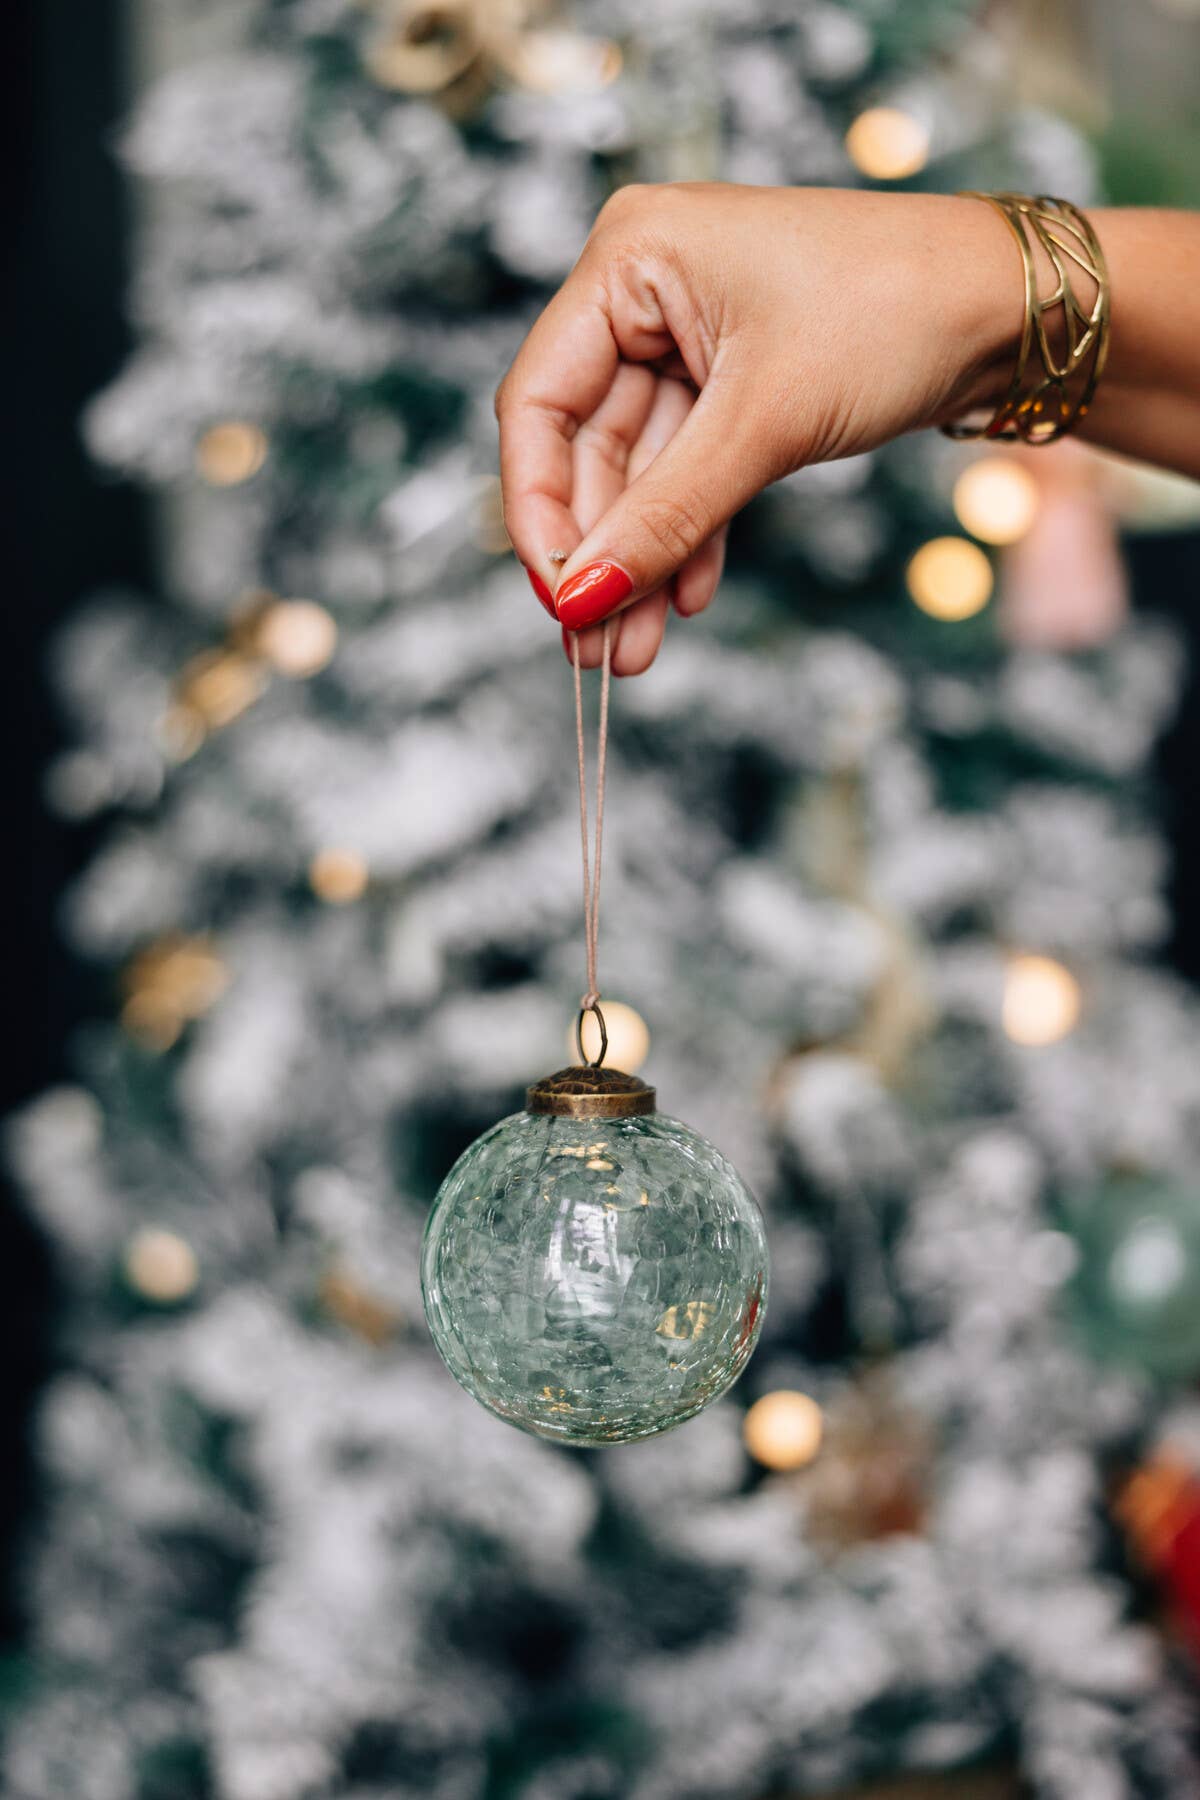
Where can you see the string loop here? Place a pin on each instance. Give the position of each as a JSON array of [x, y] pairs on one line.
[[590, 1001]]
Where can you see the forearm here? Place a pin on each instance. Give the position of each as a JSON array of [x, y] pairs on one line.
[[1148, 403]]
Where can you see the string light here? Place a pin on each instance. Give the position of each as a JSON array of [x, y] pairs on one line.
[[1042, 1001], [338, 876], [231, 452], [950, 578], [783, 1430], [628, 1037], [297, 637], [160, 1265], [996, 499], [886, 144]]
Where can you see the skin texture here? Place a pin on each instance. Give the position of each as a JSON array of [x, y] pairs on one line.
[[714, 338]]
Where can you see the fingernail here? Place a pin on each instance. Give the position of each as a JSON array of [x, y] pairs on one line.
[[541, 590], [592, 594]]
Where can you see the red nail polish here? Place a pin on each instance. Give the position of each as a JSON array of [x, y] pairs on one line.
[[592, 594], [542, 591]]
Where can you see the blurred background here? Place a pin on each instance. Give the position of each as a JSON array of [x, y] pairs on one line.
[[901, 911]]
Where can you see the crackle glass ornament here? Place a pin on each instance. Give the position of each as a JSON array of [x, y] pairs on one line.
[[593, 1271]]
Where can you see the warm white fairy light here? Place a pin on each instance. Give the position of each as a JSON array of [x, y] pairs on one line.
[[338, 876], [161, 1265], [562, 62], [1042, 1001], [950, 578], [886, 144], [996, 499], [297, 637], [783, 1430], [231, 452], [628, 1037]]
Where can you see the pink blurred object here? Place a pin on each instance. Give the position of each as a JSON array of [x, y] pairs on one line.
[[1063, 585]]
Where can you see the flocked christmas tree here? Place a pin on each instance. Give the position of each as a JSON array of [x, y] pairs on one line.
[[881, 887]]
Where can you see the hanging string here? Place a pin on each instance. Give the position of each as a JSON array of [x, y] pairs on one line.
[[590, 1001]]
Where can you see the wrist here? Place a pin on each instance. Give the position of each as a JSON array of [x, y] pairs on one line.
[[1063, 326], [980, 273]]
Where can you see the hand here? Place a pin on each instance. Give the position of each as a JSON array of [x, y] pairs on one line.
[[709, 340]]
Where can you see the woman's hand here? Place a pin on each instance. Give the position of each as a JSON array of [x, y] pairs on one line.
[[713, 338]]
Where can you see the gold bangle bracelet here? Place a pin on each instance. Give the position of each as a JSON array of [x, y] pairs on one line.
[[1044, 402]]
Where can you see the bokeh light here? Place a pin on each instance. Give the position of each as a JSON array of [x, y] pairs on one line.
[[996, 499], [1042, 1001], [297, 637], [160, 1265], [218, 685], [886, 144], [783, 1430], [950, 578], [562, 62], [628, 1037], [231, 452], [338, 876], [172, 981]]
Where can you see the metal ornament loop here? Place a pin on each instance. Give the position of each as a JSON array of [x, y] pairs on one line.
[[585, 1061]]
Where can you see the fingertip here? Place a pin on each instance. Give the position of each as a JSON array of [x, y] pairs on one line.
[[542, 591], [641, 634], [591, 646]]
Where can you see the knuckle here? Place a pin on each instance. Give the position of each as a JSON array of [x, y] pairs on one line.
[[675, 527], [625, 200]]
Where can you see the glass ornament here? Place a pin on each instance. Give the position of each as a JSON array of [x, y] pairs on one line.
[[1136, 1287], [593, 1271]]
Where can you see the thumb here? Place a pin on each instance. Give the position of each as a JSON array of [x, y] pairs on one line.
[[716, 461]]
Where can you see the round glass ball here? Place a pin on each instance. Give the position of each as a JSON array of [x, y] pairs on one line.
[[594, 1280]]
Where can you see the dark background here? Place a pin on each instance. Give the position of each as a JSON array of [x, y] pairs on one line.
[[67, 531]]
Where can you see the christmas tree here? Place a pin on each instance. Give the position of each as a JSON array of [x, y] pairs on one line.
[[879, 883]]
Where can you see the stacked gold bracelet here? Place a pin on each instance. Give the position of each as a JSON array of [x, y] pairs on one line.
[[1044, 401]]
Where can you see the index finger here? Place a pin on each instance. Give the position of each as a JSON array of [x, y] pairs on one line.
[[561, 374]]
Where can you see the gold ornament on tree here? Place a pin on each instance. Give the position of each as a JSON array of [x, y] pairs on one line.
[[461, 51]]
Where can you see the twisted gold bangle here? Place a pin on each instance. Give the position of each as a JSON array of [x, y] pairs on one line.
[[1043, 404]]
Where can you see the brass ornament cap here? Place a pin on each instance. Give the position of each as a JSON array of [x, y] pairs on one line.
[[584, 1092]]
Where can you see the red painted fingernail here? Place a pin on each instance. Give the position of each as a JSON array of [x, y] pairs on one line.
[[542, 591], [592, 594]]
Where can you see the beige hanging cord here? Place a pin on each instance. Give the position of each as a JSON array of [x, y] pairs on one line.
[[590, 1002]]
